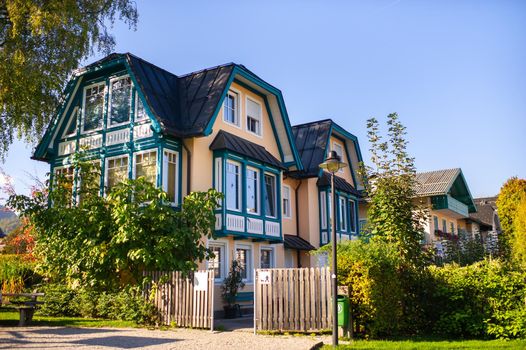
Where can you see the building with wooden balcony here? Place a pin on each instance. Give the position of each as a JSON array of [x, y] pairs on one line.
[[447, 194]]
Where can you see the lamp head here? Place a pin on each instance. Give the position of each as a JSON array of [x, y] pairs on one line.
[[333, 163]]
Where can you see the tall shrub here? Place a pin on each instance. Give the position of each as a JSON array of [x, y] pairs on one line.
[[507, 202], [393, 215]]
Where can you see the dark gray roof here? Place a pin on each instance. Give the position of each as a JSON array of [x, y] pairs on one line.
[[311, 143], [227, 141], [183, 105], [486, 210], [339, 184], [296, 242]]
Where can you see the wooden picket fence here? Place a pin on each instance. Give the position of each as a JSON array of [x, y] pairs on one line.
[[184, 301], [297, 299]]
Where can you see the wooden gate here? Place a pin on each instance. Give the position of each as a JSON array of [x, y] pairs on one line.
[[296, 299], [184, 301]]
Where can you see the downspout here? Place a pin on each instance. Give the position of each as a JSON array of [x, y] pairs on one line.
[[188, 167]]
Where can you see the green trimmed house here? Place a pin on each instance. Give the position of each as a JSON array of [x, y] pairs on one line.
[[221, 127]]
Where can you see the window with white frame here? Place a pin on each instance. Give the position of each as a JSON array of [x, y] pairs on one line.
[[253, 117], [329, 208], [140, 112], [266, 257], [244, 258], [286, 201], [170, 175], [270, 195], [93, 107], [219, 262], [65, 178], [339, 151], [252, 191], [233, 185], [342, 211], [146, 166], [218, 178], [323, 209], [88, 181], [352, 215], [231, 108], [116, 171], [120, 101]]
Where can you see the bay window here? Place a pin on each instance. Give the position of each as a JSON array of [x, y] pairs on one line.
[[233, 185], [270, 195], [170, 176], [93, 107], [146, 166], [352, 211], [65, 178], [116, 171], [252, 191], [120, 97]]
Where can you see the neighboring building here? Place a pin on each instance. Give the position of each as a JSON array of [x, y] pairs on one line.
[[447, 194], [485, 222], [222, 127]]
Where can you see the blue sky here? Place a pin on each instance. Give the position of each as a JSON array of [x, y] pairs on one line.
[[455, 71]]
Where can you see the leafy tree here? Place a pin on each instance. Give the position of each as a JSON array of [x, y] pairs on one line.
[[394, 215], [507, 203], [519, 236], [41, 43], [109, 241]]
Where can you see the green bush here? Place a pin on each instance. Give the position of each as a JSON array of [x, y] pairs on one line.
[[17, 273], [485, 299], [127, 304]]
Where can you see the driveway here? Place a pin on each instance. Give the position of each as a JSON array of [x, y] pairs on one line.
[[113, 338]]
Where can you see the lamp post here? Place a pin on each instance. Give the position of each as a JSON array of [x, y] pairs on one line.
[[332, 164]]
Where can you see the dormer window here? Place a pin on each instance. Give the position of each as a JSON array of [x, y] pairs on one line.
[[120, 97], [253, 117], [231, 108], [93, 107]]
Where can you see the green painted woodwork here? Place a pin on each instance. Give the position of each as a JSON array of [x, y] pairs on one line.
[[448, 202]]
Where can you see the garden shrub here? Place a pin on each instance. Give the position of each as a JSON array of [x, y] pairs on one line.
[[17, 272], [127, 304], [486, 299]]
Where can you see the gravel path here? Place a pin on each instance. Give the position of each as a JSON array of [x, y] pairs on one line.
[[113, 338]]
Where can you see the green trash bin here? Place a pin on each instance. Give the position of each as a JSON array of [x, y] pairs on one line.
[[343, 310]]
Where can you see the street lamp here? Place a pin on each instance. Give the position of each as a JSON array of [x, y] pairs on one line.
[[332, 164]]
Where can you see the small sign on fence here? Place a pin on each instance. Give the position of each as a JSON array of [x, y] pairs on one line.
[[264, 276], [201, 281]]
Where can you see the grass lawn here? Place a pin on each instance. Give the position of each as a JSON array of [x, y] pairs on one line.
[[10, 318], [432, 344]]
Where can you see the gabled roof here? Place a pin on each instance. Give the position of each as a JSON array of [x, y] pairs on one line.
[[227, 141], [444, 182], [486, 210], [187, 105], [311, 142]]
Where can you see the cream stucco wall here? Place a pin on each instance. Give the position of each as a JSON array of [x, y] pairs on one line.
[[201, 179], [344, 173]]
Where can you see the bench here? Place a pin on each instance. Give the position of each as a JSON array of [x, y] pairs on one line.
[[244, 297], [26, 309]]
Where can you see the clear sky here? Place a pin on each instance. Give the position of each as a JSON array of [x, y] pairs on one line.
[[455, 71]]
